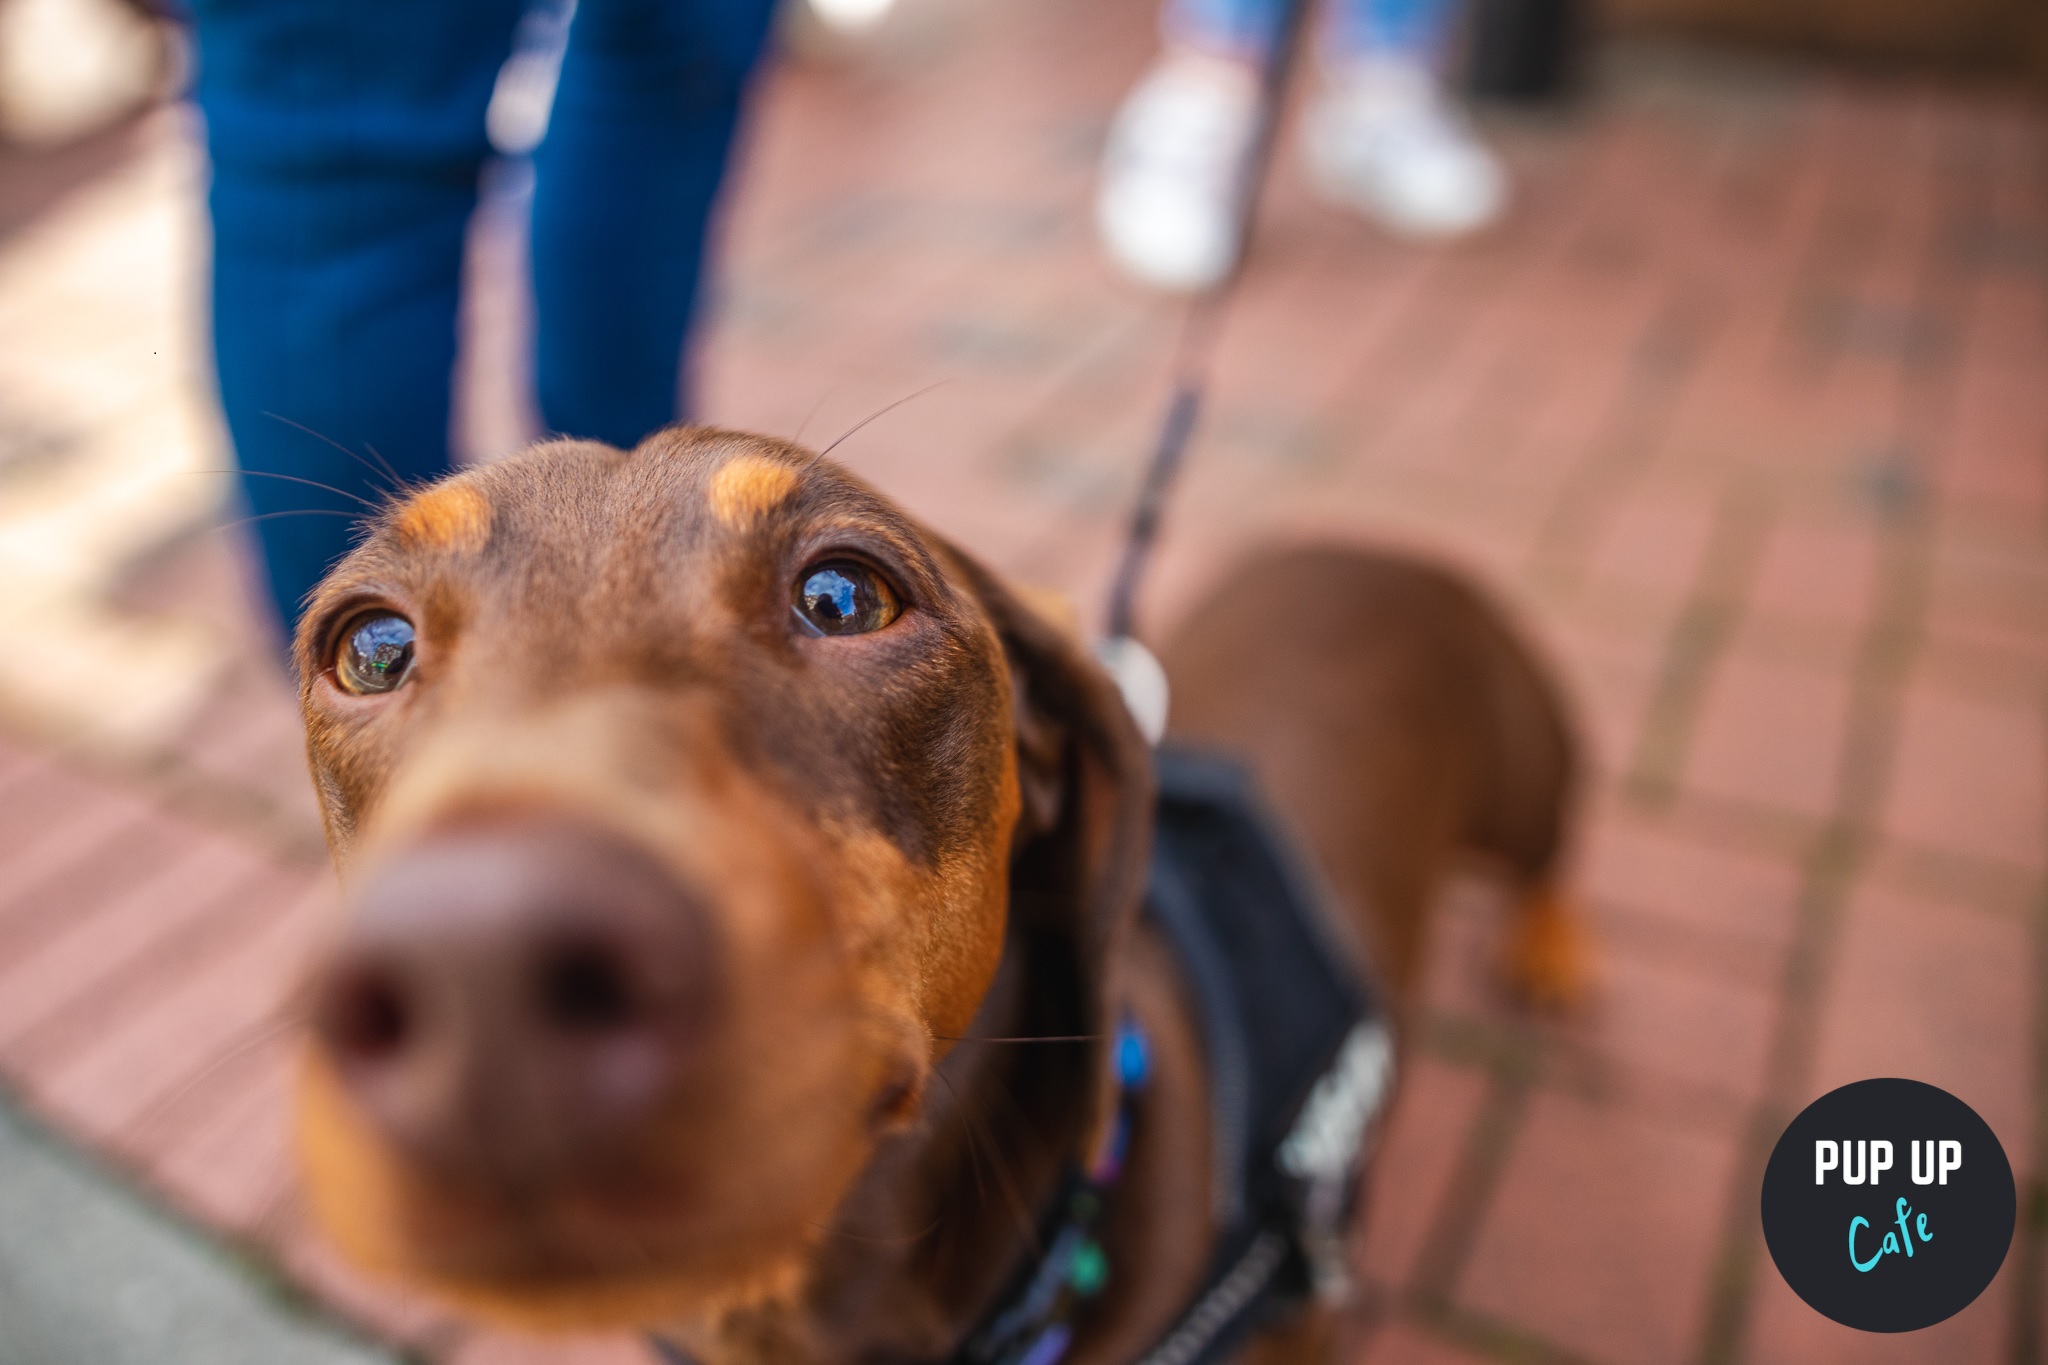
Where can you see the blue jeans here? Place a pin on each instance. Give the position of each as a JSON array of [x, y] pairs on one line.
[[347, 137], [1412, 29]]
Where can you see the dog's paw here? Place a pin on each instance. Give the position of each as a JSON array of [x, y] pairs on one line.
[[1547, 961]]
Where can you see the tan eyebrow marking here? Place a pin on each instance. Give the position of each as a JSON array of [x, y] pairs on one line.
[[747, 487], [453, 517]]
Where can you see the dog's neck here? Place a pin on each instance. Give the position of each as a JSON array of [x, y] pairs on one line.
[[946, 1214]]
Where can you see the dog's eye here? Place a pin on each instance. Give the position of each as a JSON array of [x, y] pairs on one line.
[[375, 655], [844, 598]]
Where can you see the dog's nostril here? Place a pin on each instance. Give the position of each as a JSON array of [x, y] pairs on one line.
[[365, 1016], [586, 988]]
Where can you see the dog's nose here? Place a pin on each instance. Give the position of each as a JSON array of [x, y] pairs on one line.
[[511, 1002]]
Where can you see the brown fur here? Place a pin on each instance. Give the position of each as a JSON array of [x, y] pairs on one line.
[[929, 834], [1394, 722]]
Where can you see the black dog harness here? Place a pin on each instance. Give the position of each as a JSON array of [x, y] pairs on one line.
[[1300, 1060], [1300, 1065]]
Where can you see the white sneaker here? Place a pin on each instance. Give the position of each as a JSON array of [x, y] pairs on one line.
[[69, 68], [1382, 139], [1166, 206]]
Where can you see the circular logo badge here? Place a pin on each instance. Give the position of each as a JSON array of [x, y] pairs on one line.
[[1888, 1205]]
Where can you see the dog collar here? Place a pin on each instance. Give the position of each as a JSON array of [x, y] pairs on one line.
[[1034, 1323]]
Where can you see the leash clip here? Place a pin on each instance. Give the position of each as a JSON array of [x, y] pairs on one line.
[[1139, 677]]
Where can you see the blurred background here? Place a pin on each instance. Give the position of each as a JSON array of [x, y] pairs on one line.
[[1740, 399]]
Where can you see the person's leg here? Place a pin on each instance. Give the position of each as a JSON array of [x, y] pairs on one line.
[[1167, 205], [626, 178], [1384, 138], [1416, 31], [1235, 28], [346, 137]]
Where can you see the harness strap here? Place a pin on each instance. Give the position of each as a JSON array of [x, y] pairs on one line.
[[1220, 1316], [1173, 906]]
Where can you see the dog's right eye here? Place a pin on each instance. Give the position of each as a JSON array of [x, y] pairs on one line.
[[375, 654]]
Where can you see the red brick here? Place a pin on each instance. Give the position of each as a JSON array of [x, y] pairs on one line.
[[1401, 1343], [69, 875], [1822, 570], [1784, 1331], [224, 1005], [1997, 433], [1666, 1016], [1602, 1232], [49, 826], [39, 796], [1653, 544], [500, 1348], [220, 914], [1770, 734], [234, 1168], [1651, 870], [1992, 588], [1936, 991], [382, 1307], [1967, 777], [1417, 1158], [20, 763], [91, 945], [267, 749], [1609, 677]]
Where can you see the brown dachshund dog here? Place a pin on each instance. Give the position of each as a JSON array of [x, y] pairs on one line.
[[704, 823]]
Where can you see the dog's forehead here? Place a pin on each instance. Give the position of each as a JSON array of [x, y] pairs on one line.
[[574, 509], [691, 526], [688, 481]]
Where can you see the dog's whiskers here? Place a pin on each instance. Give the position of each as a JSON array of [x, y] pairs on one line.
[[293, 478], [248, 1040], [798, 439], [978, 1136], [841, 1234], [289, 512], [1046, 1038], [383, 468], [874, 415]]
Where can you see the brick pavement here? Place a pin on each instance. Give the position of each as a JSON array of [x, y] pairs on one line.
[[1743, 411]]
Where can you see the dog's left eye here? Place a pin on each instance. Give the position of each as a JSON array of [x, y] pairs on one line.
[[844, 598], [375, 655]]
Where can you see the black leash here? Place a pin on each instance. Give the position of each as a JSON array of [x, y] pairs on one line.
[[1201, 328]]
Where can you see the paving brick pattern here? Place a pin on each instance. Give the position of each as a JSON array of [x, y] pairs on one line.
[[1745, 413]]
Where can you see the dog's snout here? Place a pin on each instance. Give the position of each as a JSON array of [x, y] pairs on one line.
[[514, 1001]]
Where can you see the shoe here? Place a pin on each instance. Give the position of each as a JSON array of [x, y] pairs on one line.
[[851, 16], [1167, 204], [1383, 140], [69, 68]]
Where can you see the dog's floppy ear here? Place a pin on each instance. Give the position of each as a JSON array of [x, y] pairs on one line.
[[1084, 834]]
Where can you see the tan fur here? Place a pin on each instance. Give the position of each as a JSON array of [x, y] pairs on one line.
[[363, 1200], [451, 517], [1547, 961], [1053, 606], [747, 487]]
